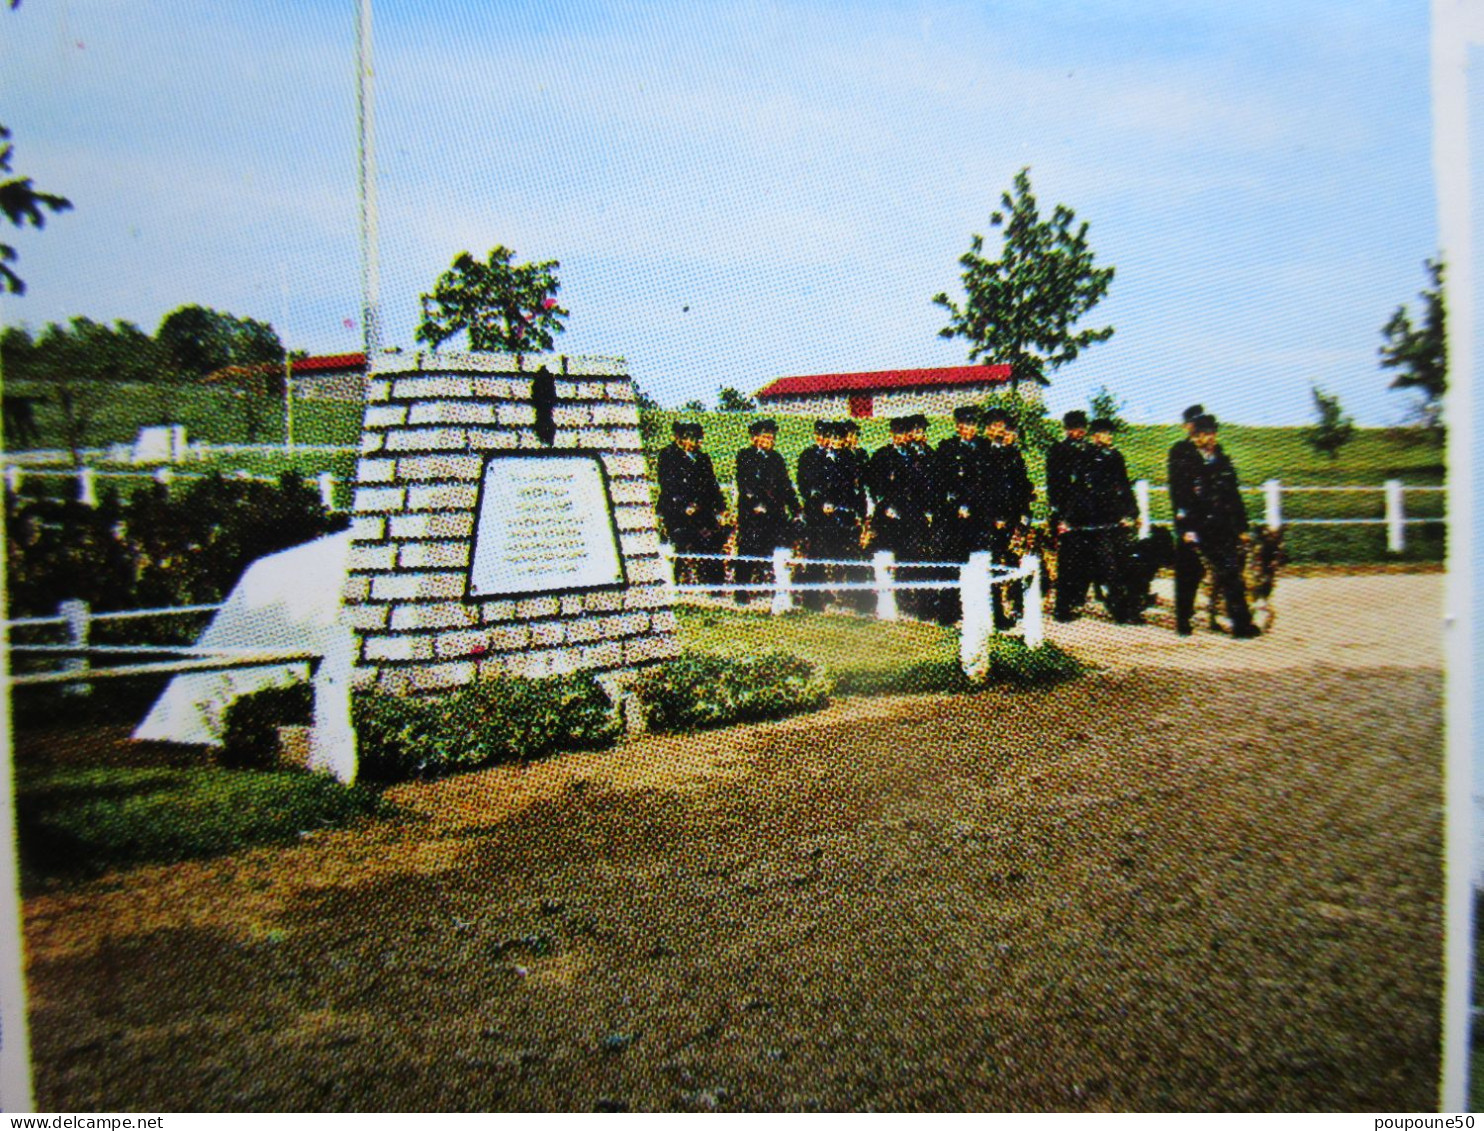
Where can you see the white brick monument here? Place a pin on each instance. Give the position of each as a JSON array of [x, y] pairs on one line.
[[503, 524]]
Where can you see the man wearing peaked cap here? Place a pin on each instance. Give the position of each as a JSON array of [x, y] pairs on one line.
[[903, 484], [1066, 495], [1210, 530], [691, 506], [766, 504], [962, 519]]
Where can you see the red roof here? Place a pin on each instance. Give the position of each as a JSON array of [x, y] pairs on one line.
[[886, 380], [334, 362]]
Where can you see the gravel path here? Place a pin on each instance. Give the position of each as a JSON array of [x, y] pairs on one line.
[[1177, 883]]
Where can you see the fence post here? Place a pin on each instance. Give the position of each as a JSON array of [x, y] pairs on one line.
[[1396, 517], [1272, 504], [1141, 496], [332, 740], [77, 616], [87, 487], [1033, 630], [163, 474], [783, 581], [13, 479], [327, 490], [976, 599], [882, 565], [667, 565]]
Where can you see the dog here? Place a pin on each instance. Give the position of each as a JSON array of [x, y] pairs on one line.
[[1263, 557]]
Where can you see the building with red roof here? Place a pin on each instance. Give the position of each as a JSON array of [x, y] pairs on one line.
[[886, 393], [331, 377]]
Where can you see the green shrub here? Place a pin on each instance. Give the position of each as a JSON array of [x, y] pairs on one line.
[[250, 728], [698, 690], [500, 719], [916, 678], [76, 823], [1012, 662]]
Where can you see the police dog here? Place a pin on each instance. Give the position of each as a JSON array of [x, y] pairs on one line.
[[1265, 555]]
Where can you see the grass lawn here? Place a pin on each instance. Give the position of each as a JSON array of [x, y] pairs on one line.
[[836, 643], [1260, 453], [78, 822]]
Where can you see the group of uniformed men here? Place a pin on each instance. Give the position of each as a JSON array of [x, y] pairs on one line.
[[971, 493]]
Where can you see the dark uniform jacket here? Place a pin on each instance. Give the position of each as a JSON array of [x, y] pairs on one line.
[[828, 478], [687, 479], [1064, 478], [1008, 491], [960, 476], [905, 490], [1206, 498], [1109, 495], [764, 493], [1183, 460]]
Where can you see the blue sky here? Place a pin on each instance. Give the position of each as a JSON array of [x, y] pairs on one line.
[[803, 177]]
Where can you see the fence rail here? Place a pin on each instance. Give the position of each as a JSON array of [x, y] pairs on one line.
[[332, 739], [975, 581], [87, 479]]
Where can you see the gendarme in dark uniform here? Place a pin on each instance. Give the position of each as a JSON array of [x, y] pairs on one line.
[[1066, 492], [1210, 525], [766, 504], [691, 506], [1111, 514], [834, 507], [962, 525], [904, 487], [1007, 493]]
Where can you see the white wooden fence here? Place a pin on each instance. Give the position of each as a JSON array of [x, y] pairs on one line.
[[1393, 493], [332, 739], [975, 581], [87, 478]]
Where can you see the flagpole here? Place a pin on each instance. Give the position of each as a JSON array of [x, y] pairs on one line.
[[370, 264], [288, 362]]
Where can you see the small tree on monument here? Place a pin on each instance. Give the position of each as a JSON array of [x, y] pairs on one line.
[[1020, 309], [1333, 429], [505, 307], [1420, 353]]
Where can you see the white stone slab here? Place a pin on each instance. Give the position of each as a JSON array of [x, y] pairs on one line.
[[285, 601], [545, 523]]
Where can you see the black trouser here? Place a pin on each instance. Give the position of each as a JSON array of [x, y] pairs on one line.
[[698, 540], [1224, 556], [910, 542], [1075, 553], [758, 538], [957, 539], [832, 541], [1009, 596]]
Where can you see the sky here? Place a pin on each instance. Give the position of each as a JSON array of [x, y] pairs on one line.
[[739, 191]]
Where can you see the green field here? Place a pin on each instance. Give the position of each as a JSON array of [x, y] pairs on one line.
[[1375, 455]]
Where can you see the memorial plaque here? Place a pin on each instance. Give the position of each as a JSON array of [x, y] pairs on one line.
[[545, 524]]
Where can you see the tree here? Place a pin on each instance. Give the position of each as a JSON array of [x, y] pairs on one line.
[[1420, 353], [505, 307], [199, 341], [1104, 405], [732, 400], [22, 204], [692, 406], [1019, 310], [1333, 430]]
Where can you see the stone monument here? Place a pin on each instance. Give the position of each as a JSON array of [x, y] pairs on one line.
[[503, 524]]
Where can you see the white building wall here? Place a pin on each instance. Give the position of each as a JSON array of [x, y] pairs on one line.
[[934, 402]]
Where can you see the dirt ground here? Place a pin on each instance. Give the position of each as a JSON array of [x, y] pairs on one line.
[[1207, 876]]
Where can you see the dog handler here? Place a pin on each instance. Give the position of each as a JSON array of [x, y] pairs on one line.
[[1210, 530]]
